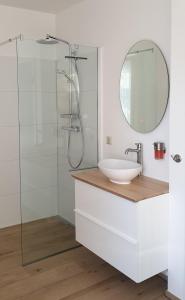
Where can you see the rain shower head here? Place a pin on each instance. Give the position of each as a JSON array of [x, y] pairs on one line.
[[51, 40], [47, 41]]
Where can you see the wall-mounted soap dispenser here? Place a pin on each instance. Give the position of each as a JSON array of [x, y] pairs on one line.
[[159, 150]]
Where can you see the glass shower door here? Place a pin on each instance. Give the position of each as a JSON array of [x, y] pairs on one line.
[[44, 231]]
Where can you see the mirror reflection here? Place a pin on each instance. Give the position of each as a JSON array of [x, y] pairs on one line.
[[144, 86]]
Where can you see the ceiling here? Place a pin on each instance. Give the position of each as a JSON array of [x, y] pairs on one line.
[[50, 6]]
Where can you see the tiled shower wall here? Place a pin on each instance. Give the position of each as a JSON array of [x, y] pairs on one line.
[[38, 130], [37, 159], [9, 137], [38, 139], [33, 25], [47, 188], [89, 112]]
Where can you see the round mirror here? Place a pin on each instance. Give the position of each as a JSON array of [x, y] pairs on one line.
[[144, 86]]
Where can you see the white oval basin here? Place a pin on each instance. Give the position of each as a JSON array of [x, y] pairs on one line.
[[119, 171]]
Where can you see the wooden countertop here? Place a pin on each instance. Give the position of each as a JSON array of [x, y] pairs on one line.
[[139, 189]]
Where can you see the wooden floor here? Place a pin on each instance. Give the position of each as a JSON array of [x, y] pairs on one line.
[[45, 237], [77, 274]]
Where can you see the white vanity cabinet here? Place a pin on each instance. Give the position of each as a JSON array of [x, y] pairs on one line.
[[132, 236]]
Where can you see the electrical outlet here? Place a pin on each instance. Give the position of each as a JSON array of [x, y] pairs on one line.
[[108, 140]]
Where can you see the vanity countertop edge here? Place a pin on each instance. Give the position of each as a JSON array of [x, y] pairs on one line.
[[141, 188]]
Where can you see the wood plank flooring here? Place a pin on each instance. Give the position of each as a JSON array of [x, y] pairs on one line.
[[74, 275], [44, 237]]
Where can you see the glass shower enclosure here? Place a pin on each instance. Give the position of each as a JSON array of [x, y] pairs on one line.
[[58, 126]]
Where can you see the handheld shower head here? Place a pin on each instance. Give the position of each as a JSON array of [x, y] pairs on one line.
[[63, 72]]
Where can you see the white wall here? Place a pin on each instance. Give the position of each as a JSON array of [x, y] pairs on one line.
[[115, 26], [32, 25]]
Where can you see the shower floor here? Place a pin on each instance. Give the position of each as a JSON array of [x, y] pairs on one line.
[[46, 237]]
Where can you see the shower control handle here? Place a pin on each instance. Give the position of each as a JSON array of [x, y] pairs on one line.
[[73, 128], [70, 116]]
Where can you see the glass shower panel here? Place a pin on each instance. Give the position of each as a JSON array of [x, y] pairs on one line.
[[77, 149], [44, 231]]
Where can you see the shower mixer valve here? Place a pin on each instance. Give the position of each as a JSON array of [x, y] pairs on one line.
[[72, 128]]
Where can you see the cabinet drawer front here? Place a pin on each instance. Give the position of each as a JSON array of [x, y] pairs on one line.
[[119, 250], [110, 209]]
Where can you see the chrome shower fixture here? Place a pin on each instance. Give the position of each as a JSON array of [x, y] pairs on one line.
[[47, 41], [51, 40], [65, 74], [48, 36]]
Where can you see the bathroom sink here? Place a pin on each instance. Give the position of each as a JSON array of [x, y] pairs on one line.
[[119, 171]]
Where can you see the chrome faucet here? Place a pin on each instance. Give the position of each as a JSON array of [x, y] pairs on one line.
[[138, 150]]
